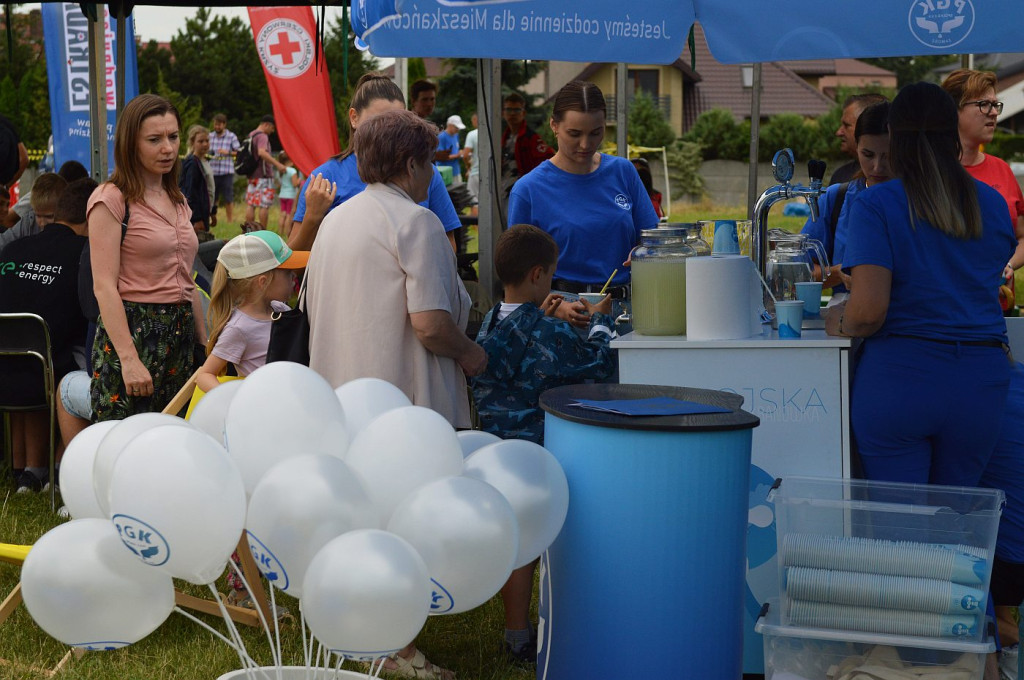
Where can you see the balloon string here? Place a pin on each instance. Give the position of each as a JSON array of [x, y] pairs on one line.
[[259, 610], [235, 635], [210, 628], [277, 630], [305, 650]]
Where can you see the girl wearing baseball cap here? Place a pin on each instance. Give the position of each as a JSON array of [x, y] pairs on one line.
[[254, 276]]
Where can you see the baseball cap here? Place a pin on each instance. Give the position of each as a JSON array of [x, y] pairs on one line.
[[258, 252], [456, 120], [268, 119]]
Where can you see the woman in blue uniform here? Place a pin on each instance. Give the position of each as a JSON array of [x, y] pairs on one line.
[[872, 135], [925, 253], [593, 205], [337, 180]]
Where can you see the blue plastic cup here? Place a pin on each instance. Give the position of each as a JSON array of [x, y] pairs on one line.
[[790, 314], [809, 292], [726, 241]]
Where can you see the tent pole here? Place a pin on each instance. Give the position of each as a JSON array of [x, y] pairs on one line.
[[402, 75], [488, 105], [755, 131], [621, 122], [121, 33], [98, 89]]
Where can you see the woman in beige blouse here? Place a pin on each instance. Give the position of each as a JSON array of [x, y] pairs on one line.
[[383, 294]]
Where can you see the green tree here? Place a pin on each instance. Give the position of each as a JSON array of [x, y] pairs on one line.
[[457, 89], [339, 46], [719, 135], [416, 69], [215, 61], [190, 109], [24, 96], [912, 69], [647, 124], [153, 61]]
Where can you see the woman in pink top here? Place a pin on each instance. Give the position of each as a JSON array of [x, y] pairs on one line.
[[150, 314]]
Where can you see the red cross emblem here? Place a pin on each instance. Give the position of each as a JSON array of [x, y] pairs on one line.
[[284, 48]]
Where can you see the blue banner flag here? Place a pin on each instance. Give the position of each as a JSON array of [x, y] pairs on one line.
[[66, 36]]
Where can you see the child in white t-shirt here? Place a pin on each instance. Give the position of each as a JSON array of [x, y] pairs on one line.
[[253, 278]]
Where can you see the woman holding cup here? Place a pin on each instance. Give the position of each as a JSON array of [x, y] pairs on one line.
[[593, 205], [872, 135], [932, 377]]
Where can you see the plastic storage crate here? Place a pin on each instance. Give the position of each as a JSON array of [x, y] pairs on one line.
[[885, 558], [794, 653]]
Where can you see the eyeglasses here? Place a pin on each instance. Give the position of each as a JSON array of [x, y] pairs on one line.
[[513, 109], [986, 106]]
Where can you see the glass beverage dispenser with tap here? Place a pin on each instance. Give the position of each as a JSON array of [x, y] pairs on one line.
[[659, 281]]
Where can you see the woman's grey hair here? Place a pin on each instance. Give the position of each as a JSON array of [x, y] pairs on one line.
[[385, 142]]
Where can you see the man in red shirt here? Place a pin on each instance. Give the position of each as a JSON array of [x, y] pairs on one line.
[[522, 149]]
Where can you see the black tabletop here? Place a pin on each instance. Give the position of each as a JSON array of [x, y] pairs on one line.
[[556, 402]]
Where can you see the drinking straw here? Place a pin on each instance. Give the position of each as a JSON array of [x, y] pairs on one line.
[[601, 292]]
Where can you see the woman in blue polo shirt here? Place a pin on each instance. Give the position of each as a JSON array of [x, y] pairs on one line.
[[338, 180], [926, 253], [593, 205]]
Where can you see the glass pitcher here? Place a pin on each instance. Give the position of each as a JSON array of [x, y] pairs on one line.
[[790, 263], [659, 281]]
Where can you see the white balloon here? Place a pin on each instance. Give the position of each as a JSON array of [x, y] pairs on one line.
[[466, 532], [533, 482], [113, 444], [178, 501], [471, 440], [363, 399], [402, 449], [282, 409], [83, 588], [210, 413], [76, 486], [366, 594], [298, 506]]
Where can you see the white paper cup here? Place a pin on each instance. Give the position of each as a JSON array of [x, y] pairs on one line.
[[790, 314], [809, 292]]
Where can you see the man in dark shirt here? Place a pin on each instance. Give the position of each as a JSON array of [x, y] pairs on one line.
[[852, 108], [39, 275]]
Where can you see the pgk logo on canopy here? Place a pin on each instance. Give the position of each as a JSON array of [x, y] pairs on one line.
[[142, 539], [941, 23]]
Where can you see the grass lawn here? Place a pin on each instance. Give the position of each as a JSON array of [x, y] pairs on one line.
[[468, 643]]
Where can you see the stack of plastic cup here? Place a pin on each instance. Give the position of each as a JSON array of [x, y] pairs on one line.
[[875, 620], [876, 590]]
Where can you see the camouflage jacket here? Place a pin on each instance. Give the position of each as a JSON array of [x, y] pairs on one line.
[[528, 353]]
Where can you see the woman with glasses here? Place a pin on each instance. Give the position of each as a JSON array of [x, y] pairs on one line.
[[975, 95], [923, 252]]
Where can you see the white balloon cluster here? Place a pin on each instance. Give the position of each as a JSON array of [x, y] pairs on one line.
[[372, 511]]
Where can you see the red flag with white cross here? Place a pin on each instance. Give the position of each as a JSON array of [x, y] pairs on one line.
[[299, 91]]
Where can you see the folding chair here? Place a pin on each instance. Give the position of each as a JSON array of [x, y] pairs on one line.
[[26, 335]]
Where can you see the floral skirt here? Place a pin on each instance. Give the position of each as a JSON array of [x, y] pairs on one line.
[[164, 335]]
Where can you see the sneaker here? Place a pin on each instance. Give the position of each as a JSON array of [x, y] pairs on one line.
[[526, 655], [1008, 662], [63, 512], [28, 483]]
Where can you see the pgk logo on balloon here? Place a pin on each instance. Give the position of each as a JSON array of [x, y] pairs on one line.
[[142, 539], [267, 563], [106, 646], [441, 601], [798, 404]]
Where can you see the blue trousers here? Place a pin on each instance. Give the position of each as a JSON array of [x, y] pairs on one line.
[[926, 412]]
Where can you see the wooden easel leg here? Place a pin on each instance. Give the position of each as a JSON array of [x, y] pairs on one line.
[[252, 576], [10, 603]]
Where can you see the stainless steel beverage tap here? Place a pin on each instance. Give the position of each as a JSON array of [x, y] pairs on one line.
[[782, 169]]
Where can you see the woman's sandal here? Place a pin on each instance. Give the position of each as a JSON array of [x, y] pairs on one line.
[[416, 667]]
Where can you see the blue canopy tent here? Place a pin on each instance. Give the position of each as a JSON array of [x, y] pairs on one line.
[[655, 32]]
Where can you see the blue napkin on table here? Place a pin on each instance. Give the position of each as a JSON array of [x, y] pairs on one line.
[[655, 406]]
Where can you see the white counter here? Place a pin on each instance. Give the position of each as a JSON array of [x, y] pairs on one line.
[[800, 390]]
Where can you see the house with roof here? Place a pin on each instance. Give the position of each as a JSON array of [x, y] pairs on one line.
[[685, 89]]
